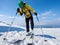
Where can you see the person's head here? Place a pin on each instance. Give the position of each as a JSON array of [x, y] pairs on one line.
[[21, 4]]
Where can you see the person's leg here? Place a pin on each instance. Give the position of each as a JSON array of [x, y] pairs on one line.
[[32, 23], [27, 24]]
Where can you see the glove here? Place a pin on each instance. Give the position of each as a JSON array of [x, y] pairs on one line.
[[18, 10], [35, 13]]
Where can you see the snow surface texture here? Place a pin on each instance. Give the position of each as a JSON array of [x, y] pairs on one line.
[[51, 37]]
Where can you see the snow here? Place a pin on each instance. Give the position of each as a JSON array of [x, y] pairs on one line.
[[2, 24], [52, 35]]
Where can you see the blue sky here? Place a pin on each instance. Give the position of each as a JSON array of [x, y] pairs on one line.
[[48, 11]]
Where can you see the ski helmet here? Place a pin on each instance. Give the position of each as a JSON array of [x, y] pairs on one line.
[[21, 4]]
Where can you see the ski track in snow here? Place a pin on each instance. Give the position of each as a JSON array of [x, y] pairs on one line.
[[13, 36]]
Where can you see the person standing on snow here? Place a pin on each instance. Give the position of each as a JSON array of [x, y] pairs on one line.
[[27, 10]]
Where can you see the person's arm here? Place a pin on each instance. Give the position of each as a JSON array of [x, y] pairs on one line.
[[19, 11], [30, 8]]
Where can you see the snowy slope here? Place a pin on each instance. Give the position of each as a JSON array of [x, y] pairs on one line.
[[5, 24], [2, 24], [52, 35]]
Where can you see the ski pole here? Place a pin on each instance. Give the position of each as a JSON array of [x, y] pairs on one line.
[[10, 25], [39, 23], [41, 28], [12, 22]]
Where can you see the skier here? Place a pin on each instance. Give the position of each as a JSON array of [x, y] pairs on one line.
[[27, 10]]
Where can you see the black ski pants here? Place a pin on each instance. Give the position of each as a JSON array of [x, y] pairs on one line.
[[31, 22]]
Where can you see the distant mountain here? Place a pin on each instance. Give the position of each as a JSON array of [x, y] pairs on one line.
[[47, 26], [3, 24]]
